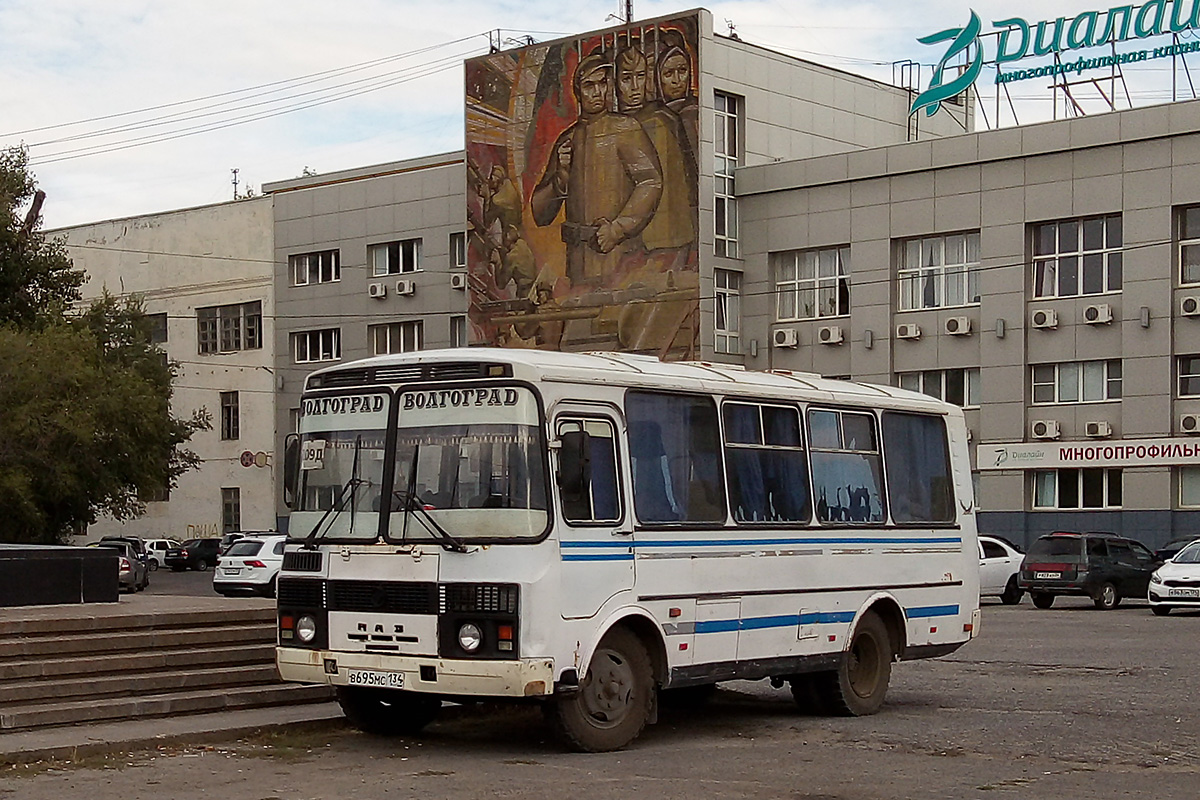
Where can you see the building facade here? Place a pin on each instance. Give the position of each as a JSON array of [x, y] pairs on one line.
[[205, 276]]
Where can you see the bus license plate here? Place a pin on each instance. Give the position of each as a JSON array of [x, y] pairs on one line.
[[1183, 592], [375, 678], [1047, 575]]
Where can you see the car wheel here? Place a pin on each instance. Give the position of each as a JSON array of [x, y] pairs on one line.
[[1106, 597], [1160, 611], [858, 686], [153, 565], [1012, 593], [614, 700], [271, 587], [202, 566], [387, 712], [1042, 599]]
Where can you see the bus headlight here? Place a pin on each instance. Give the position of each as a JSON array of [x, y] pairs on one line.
[[306, 629], [470, 637]]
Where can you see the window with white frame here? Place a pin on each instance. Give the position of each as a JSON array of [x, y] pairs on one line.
[[458, 331], [458, 250], [1090, 487], [939, 271], [322, 345], [227, 329], [322, 267], [1189, 376], [231, 509], [1077, 257], [726, 331], [957, 386], [727, 151], [812, 283], [394, 258], [395, 337], [1077, 382], [1189, 487]]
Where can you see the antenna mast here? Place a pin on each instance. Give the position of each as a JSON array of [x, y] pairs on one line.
[[235, 183], [628, 11]]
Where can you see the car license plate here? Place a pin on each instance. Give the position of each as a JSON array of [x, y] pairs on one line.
[[231, 570], [1183, 592], [1048, 575], [375, 678]]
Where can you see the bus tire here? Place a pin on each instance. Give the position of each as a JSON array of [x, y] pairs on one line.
[[387, 712], [859, 684], [614, 699]]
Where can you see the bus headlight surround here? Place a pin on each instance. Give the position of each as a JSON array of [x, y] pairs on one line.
[[306, 629], [470, 637]]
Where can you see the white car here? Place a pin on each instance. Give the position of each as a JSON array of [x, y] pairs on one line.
[[156, 550], [999, 562], [250, 565], [1176, 584]]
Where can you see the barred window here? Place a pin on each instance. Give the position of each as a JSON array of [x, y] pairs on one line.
[[227, 329]]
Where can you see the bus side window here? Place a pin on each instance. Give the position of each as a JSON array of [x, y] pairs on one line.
[[675, 456], [588, 482], [846, 466], [767, 472], [920, 487]]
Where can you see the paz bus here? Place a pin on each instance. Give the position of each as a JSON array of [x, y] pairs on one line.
[[593, 530]]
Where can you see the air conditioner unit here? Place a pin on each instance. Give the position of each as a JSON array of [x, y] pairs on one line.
[[405, 287], [1098, 429], [377, 289], [1190, 306], [1098, 314], [1044, 429], [458, 280], [1189, 423], [958, 326], [908, 330], [830, 334], [785, 337], [1044, 318]]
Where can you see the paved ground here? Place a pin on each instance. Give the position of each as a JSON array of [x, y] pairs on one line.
[[1065, 703]]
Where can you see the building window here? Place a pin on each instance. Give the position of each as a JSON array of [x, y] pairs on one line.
[[1077, 257], [323, 345], [226, 329], [230, 416], [1077, 382], [728, 311], [394, 258], [323, 267], [158, 328], [395, 337], [727, 151], [1189, 487], [156, 495], [957, 386], [458, 331], [939, 271], [1094, 487], [458, 250], [812, 283], [1189, 376], [231, 510]]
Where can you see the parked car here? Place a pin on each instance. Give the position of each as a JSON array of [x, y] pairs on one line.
[[999, 563], [1176, 584], [229, 538], [136, 542], [250, 565], [1172, 547], [157, 549], [1102, 566], [132, 573], [197, 554]]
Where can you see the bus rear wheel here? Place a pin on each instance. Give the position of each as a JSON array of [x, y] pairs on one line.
[[387, 712], [859, 684], [614, 699]]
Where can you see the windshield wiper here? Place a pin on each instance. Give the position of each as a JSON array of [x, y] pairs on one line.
[[345, 495], [410, 503]]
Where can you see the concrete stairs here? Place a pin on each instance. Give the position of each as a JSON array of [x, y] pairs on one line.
[[78, 668]]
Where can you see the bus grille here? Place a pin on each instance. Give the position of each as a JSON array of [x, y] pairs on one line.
[[389, 597], [300, 593], [302, 561]]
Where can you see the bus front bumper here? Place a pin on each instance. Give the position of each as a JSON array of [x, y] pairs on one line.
[[514, 678]]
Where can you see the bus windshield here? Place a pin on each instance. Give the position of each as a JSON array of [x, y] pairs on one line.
[[473, 459]]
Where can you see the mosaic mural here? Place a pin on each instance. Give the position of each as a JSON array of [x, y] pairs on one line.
[[581, 192]]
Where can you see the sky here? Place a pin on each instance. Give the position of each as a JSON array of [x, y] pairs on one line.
[[133, 107]]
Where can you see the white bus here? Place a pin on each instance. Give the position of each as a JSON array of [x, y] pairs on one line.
[[592, 529]]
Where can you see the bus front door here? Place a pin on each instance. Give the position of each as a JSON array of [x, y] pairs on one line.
[[595, 536]]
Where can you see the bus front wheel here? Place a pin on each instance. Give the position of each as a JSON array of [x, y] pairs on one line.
[[858, 686], [387, 712], [614, 699]]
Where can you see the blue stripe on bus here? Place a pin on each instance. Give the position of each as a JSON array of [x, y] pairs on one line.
[[780, 621], [760, 542], [598, 557], [931, 611]]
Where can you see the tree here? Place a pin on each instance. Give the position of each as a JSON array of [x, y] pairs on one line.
[[85, 419]]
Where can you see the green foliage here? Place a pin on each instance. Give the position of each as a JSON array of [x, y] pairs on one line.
[[85, 419]]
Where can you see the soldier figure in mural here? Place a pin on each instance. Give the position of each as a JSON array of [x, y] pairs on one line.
[[604, 170], [675, 85]]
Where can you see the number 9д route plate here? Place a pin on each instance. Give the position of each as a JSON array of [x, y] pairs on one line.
[[375, 679]]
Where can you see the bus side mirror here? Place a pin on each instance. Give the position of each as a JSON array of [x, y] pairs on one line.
[[291, 469], [574, 464]]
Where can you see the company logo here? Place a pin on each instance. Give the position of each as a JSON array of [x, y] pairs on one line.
[[1001, 455], [960, 40]]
